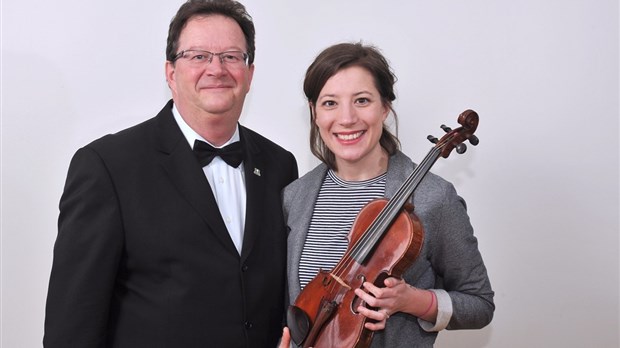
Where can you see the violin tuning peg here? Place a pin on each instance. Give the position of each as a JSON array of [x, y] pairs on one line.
[[461, 148], [474, 140], [446, 128], [432, 139]]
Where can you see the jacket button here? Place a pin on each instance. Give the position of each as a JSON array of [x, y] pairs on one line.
[[248, 325], [244, 268]]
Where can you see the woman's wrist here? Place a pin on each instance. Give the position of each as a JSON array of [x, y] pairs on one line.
[[431, 305], [423, 304]]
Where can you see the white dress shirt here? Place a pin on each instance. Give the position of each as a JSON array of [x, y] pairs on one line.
[[227, 183]]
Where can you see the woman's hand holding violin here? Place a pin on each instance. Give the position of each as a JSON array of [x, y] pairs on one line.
[[396, 296]]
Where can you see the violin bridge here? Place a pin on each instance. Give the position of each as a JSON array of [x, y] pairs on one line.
[[340, 281]]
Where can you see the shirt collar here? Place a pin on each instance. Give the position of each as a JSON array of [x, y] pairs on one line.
[[191, 135]]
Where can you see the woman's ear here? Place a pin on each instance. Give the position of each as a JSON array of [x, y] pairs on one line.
[[312, 112], [386, 111]]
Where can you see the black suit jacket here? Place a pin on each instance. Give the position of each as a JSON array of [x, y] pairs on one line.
[[143, 258]]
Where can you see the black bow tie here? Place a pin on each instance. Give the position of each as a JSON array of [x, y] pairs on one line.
[[232, 154]]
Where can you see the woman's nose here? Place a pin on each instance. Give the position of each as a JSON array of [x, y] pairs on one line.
[[348, 115]]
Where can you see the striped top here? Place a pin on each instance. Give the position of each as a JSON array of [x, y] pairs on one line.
[[336, 208]]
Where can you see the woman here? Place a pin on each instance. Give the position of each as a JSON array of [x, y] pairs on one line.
[[350, 90]]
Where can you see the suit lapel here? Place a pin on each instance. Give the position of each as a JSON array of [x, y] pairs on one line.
[[187, 176], [254, 169]]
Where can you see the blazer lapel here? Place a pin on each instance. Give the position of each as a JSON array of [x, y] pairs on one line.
[[187, 176], [299, 216], [399, 168]]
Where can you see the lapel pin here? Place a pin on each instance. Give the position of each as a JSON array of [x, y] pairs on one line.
[[256, 171]]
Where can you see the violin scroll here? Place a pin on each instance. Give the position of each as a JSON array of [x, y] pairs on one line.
[[454, 139]]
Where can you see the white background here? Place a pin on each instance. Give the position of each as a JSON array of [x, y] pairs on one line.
[[542, 186]]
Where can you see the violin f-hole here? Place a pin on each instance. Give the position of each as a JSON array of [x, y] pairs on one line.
[[356, 302]]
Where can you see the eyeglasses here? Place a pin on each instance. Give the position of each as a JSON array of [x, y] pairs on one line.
[[200, 57]]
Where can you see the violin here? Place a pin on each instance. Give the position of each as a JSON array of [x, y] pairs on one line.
[[385, 239]]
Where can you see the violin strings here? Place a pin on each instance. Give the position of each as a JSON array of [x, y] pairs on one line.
[[394, 206], [362, 247]]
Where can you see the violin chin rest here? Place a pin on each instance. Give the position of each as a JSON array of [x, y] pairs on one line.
[[298, 323]]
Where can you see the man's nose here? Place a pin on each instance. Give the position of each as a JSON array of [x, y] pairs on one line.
[[215, 66]]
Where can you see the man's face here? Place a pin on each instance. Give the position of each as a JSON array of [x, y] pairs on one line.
[[210, 89]]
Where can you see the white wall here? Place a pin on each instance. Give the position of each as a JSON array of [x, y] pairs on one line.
[[542, 186]]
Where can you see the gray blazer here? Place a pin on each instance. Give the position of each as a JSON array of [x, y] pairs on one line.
[[449, 263]]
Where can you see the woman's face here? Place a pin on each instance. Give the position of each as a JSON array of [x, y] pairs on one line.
[[350, 114]]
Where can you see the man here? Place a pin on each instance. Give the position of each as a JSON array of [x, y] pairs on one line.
[[162, 246]]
